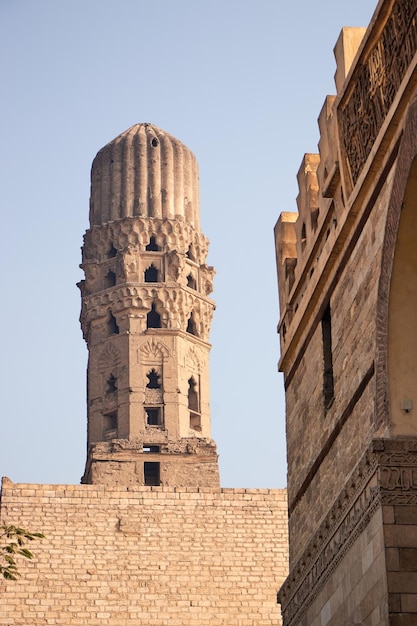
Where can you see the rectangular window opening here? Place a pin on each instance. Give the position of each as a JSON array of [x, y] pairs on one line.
[[110, 425], [153, 415], [151, 474], [328, 382], [195, 421], [151, 449]]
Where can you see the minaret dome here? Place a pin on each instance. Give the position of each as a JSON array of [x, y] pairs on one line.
[[144, 172]]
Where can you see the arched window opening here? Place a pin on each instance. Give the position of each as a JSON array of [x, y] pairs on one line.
[[112, 325], [153, 378], [192, 326], [109, 279], [191, 281], [192, 395], [153, 319], [151, 274], [112, 252], [152, 245], [190, 252], [110, 425], [111, 384], [153, 415]]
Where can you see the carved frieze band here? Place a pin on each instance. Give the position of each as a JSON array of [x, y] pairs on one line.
[[386, 475], [398, 472], [377, 82], [174, 305], [342, 525], [170, 235]]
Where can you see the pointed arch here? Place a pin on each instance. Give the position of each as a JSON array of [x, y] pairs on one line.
[[151, 274], [193, 400], [152, 245], [396, 332], [192, 325]]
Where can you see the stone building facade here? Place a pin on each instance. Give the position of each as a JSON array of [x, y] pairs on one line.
[[347, 269], [149, 537]]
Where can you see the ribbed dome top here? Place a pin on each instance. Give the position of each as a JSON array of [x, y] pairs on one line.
[[144, 172]]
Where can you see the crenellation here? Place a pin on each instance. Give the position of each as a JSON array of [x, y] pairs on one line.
[[328, 170], [345, 51]]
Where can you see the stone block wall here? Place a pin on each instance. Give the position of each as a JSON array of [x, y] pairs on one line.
[[325, 443], [400, 531], [356, 591], [146, 555]]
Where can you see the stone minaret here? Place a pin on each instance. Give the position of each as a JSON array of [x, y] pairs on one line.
[[146, 316]]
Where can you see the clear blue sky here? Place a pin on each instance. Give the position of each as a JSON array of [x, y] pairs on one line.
[[241, 83]]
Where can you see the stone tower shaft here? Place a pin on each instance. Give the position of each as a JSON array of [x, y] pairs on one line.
[[146, 316]]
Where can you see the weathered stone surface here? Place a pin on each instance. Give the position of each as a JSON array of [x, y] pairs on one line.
[[146, 316]]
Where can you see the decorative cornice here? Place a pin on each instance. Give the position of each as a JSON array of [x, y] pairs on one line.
[[174, 304], [186, 445], [170, 235]]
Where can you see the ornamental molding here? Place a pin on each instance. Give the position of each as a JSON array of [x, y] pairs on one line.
[[398, 472], [192, 361], [386, 475], [153, 351], [345, 521], [136, 232], [174, 304], [109, 358], [375, 82]]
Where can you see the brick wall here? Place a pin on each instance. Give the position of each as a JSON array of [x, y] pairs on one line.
[[146, 556]]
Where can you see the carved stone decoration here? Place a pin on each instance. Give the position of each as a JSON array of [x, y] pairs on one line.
[[342, 525], [172, 235], [109, 358], [207, 275], [91, 271], [153, 351], [192, 361], [398, 471], [365, 106], [175, 266], [386, 475], [129, 265]]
